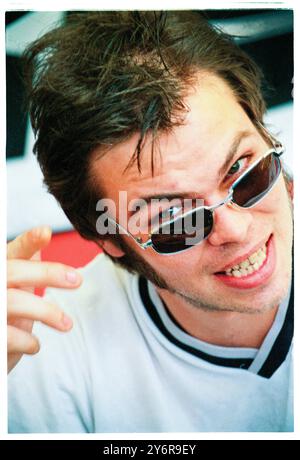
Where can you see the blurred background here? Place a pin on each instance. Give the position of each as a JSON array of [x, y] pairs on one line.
[[267, 35]]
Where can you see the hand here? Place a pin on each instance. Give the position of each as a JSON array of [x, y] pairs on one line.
[[25, 272]]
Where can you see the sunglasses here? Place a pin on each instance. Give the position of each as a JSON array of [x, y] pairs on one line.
[[196, 224]]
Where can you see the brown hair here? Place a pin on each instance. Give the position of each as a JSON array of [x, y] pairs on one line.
[[102, 76]]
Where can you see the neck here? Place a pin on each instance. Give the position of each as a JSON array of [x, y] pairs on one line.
[[227, 329]]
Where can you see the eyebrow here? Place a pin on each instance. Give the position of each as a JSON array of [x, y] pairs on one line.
[[239, 137]]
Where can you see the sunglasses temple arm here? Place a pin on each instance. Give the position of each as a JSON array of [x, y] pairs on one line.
[[275, 142], [126, 232]]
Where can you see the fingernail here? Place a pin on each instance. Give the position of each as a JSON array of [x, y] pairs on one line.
[[44, 231], [36, 233], [66, 322], [72, 277], [40, 232]]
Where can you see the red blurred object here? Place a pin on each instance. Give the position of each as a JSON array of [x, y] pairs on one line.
[[71, 249]]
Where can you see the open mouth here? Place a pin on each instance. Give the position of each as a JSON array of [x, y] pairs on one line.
[[254, 270], [249, 265]]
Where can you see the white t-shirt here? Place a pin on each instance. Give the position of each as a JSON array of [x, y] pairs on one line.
[[127, 366]]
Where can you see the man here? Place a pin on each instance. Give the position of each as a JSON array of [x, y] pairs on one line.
[[167, 335]]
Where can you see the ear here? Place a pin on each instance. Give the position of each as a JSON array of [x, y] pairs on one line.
[[112, 248]]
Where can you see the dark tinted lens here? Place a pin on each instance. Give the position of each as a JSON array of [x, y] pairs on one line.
[[183, 233], [256, 184]]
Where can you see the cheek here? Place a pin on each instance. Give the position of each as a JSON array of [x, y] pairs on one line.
[[277, 202], [279, 206], [182, 265], [284, 201]]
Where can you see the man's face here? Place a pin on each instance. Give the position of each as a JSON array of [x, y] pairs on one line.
[[190, 161]]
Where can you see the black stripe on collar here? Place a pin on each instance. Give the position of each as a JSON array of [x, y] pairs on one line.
[[274, 360], [283, 342], [152, 312]]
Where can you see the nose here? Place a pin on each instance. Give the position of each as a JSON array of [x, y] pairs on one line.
[[231, 225]]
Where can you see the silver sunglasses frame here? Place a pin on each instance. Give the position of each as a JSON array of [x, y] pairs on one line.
[[277, 150]]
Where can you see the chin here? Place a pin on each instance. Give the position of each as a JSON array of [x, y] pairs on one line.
[[270, 296]]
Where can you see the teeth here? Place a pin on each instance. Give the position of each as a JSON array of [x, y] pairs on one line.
[[236, 273], [253, 257], [250, 265], [245, 263]]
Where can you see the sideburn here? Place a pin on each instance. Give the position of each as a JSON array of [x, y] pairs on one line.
[[134, 263]]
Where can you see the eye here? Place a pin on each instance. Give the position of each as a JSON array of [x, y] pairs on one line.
[[238, 166]]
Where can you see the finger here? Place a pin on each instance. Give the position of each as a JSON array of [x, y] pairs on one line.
[[36, 256], [28, 243], [24, 273], [19, 341], [13, 359], [22, 304]]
